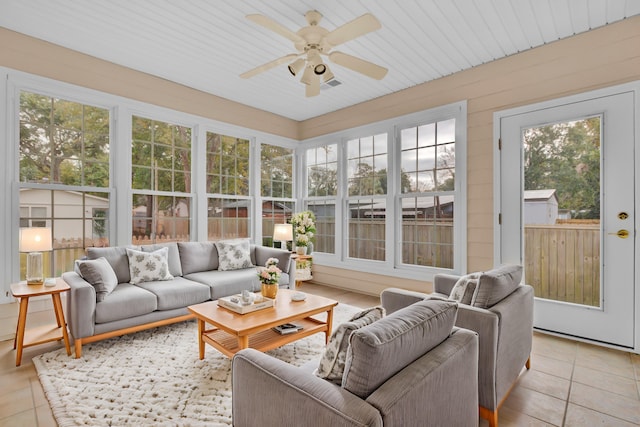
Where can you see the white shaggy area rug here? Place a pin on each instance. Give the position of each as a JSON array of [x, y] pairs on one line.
[[153, 377]]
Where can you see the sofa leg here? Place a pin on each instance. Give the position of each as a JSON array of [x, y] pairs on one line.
[[489, 415], [78, 348], [527, 364]]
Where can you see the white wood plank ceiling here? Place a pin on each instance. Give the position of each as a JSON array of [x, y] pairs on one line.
[[206, 44]]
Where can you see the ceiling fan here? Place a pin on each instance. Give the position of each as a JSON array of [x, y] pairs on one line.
[[313, 42]]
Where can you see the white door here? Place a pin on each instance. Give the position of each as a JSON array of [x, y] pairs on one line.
[[567, 209]]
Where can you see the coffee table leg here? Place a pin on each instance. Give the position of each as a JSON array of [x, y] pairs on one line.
[[327, 333], [200, 340], [243, 341]]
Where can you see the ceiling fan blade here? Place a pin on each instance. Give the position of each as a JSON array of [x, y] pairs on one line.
[[272, 25], [349, 31], [360, 65], [268, 66], [313, 89]]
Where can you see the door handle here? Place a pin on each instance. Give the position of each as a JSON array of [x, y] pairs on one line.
[[623, 234]]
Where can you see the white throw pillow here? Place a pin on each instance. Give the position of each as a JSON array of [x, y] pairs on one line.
[[233, 254], [465, 289], [333, 360], [148, 266]]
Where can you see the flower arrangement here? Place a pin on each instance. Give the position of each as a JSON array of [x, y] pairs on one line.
[[304, 227], [270, 273]]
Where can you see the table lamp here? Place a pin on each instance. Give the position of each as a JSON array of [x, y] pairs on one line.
[[284, 233], [35, 240]]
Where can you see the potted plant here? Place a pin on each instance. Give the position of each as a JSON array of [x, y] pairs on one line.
[[269, 276], [304, 228]]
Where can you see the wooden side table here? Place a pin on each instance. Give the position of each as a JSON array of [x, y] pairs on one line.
[[42, 334]]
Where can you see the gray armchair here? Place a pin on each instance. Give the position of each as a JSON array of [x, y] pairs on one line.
[[503, 321], [410, 368]]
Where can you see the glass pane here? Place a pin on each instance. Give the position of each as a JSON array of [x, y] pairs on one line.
[[325, 238], [228, 218], [427, 231], [367, 229], [562, 210]]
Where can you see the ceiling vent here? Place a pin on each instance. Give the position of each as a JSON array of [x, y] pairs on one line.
[[331, 83]]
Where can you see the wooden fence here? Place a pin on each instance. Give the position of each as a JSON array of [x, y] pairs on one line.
[[562, 262]]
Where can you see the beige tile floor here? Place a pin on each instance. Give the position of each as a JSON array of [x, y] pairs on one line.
[[569, 384]]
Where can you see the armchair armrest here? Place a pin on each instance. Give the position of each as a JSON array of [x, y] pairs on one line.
[[81, 306], [443, 283], [269, 392], [393, 299]]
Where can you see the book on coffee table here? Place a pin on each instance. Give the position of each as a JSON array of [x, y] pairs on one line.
[[287, 328]]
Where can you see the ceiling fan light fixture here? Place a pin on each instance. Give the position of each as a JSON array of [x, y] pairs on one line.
[[327, 75], [296, 66], [320, 69], [307, 76]]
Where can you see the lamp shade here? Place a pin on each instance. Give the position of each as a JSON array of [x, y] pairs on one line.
[[283, 232], [35, 239]]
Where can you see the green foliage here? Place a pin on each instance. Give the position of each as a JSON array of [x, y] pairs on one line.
[[63, 141], [566, 157]]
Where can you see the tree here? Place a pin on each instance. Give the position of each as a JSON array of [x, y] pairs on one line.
[[366, 181], [63, 142], [566, 157]]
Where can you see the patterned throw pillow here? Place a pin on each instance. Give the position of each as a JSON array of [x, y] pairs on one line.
[[148, 266], [233, 254], [333, 360], [464, 291]]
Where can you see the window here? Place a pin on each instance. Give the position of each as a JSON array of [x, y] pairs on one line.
[[427, 186], [161, 180], [384, 196], [322, 189], [228, 175], [276, 188], [63, 143], [227, 165], [367, 176]]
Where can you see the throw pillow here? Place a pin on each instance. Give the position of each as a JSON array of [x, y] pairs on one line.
[[99, 273], [495, 285], [464, 291], [148, 266], [333, 360], [233, 254], [382, 349]]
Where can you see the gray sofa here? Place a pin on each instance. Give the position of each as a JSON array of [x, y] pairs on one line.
[[128, 307], [411, 368], [502, 315]]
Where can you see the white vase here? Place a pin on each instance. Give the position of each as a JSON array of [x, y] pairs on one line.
[[301, 250]]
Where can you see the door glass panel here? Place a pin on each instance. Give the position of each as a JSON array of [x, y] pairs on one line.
[[562, 210]]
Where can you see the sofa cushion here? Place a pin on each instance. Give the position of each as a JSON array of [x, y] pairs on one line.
[[177, 293], [148, 266], [117, 258], [99, 273], [125, 301], [260, 255], [175, 268], [197, 256], [497, 284], [332, 362], [225, 283], [233, 254], [464, 291], [380, 350]]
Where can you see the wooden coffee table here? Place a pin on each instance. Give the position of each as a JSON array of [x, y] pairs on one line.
[[233, 332]]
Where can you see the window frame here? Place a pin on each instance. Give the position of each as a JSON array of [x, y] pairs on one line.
[[392, 265]]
